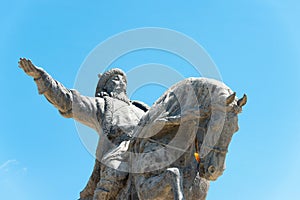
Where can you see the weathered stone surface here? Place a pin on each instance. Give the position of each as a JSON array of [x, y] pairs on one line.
[[150, 155], [195, 112]]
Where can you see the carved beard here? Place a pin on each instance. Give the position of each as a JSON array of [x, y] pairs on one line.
[[121, 96]]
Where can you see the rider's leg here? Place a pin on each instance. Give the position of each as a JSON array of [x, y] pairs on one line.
[[161, 184], [175, 178], [110, 183]]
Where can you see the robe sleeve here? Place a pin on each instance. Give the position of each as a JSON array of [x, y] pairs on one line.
[[70, 103]]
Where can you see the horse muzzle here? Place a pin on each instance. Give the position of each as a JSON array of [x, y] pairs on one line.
[[212, 173]]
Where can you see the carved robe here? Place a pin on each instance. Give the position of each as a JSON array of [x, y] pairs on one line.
[[113, 119]]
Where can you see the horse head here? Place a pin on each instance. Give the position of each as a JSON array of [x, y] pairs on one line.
[[195, 109], [221, 127]]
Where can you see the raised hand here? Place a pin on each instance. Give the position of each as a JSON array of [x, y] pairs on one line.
[[29, 68]]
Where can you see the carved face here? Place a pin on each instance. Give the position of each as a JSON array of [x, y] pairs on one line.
[[116, 84]]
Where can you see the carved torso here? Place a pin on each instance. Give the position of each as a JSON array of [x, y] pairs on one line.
[[120, 118]]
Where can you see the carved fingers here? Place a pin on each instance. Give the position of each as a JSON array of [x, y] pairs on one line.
[[29, 68]]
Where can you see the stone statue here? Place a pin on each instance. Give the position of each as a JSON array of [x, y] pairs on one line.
[[170, 151], [110, 113], [180, 144], [195, 117]]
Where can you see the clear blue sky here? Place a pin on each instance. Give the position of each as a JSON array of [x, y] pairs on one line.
[[255, 44]]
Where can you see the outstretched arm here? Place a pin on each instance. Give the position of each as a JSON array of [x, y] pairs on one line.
[[54, 91], [69, 102]]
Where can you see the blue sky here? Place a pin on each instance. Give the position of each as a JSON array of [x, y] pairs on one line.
[[255, 45]]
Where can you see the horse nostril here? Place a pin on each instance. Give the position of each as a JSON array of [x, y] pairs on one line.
[[211, 169]]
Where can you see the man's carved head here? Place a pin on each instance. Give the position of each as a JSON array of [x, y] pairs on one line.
[[112, 81]]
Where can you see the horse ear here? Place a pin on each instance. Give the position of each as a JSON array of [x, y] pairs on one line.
[[241, 102], [230, 99]]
